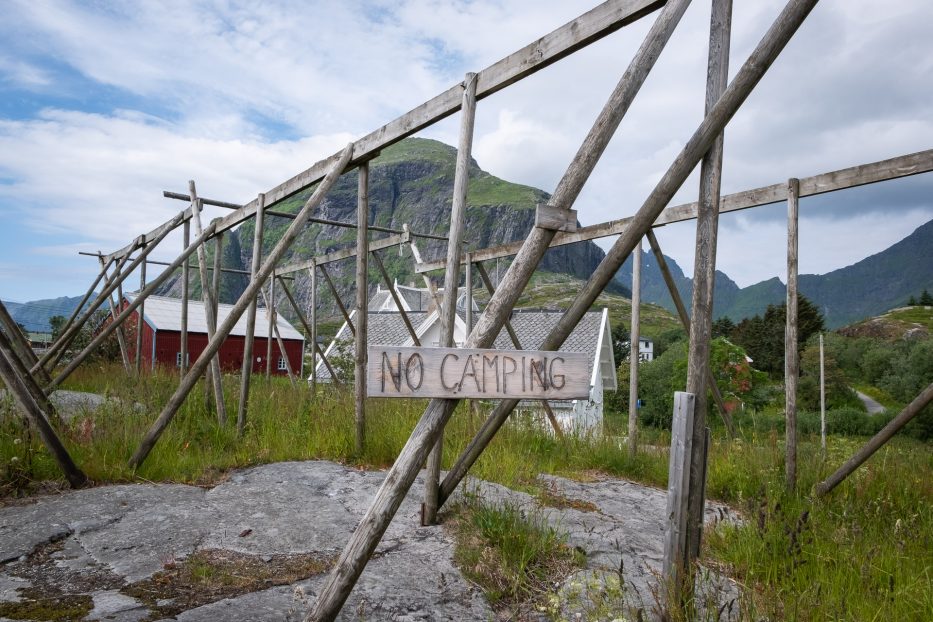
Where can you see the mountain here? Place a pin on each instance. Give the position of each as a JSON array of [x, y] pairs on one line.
[[35, 315], [867, 288], [410, 183]]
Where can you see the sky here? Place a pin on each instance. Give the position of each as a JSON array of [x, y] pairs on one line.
[[104, 105]]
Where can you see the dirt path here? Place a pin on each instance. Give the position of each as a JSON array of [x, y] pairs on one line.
[[871, 405], [260, 543]]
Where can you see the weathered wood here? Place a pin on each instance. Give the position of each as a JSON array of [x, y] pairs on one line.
[[20, 344], [685, 321], [468, 286], [791, 360], [141, 321], [822, 400], [8, 348], [185, 296], [678, 491], [311, 330], [189, 381], [852, 177], [249, 341], [40, 421], [634, 355], [214, 377], [458, 373], [704, 275], [362, 305], [270, 317], [364, 540], [877, 441], [336, 295], [447, 308], [346, 253], [487, 282], [121, 339], [591, 26], [555, 218], [398, 302], [108, 329], [751, 72], [274, 330], [428, 282], [104, 266]]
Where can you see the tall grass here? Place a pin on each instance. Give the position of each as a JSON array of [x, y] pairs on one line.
[[865, 552]]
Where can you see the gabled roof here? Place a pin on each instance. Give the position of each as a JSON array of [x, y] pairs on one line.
[[163, 313], [413, 299]]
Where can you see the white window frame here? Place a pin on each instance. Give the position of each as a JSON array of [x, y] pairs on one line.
[[281, 366], [178, 359]]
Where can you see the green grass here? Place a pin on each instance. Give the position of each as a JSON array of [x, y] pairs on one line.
[[912, 315], [865, 552]]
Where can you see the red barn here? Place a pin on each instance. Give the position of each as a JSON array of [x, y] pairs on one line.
[[162, 337]]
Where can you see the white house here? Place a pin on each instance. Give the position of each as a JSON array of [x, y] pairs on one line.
[[645, 349], [592, 335]]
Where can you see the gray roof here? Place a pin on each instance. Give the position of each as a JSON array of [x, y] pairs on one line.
[[531, 327], [417, 298]]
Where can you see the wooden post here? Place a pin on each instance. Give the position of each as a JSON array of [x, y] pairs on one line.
[[107, 330], [185, 296], [791, 360], [207, 298], [394, 294], [141, 322], [20, 344], [270, 315], [313, 331], [468, 286], [367, 535], [362, 307], [822, 400], [121, 340], [678, 493], [634, 355], [685, 320], [877, 441], [40, 421], [178, 398], [448, 309], [249, 341], [784, 27], [104, 266], [281, 344], [704, 275], [336, 294]]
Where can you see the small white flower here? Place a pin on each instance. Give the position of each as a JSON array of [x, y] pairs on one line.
[[14, 459], [17, 441]]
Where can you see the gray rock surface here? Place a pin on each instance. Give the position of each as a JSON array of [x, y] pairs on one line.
[[118, 535]]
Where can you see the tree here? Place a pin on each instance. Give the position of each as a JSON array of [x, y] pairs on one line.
[[926, 299], [763, 337], [911, 302], [723, 327], [621, 345]]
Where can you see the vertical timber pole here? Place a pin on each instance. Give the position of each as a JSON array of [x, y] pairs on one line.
[[678, 490], [701, 312], [362, 307], [448, 311], [822, 400], [185, 295], [634, 354], [208, 304], [140, 321], [270, 314], [121, 340], [468, 286], [313, 313], [250, 319], [791, 360]]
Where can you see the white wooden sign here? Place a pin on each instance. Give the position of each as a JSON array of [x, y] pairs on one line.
[[478, 374]]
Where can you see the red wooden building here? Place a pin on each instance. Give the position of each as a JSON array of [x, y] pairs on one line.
[[162, 337]]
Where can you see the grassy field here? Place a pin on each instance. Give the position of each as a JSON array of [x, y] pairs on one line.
[[863, 553]]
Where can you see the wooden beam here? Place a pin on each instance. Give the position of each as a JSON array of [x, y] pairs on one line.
[[121, 338], [252, 290], [362, 305], [336, 295], [185, 295], [634, 355], [877, 441], [8, 348], [678, 491], [591, 26], [861, 175], [141, 322], [791, 359], [394, 294], [20, 344], [250, 339], [346, 253], [270, 316], [447, 309], [313, 331], [316, 349], [278, 338]]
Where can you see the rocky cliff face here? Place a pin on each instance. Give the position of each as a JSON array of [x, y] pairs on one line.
[[410, 183]]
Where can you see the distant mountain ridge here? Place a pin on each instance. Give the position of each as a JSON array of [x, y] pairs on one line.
[[867, 288], [34, 315]]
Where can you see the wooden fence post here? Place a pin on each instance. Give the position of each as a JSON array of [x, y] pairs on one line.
[[448, 309], [250, 338], [634, 353], [791, 360], [178, 398], [704, 275], [362, 307], [679, 484]]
